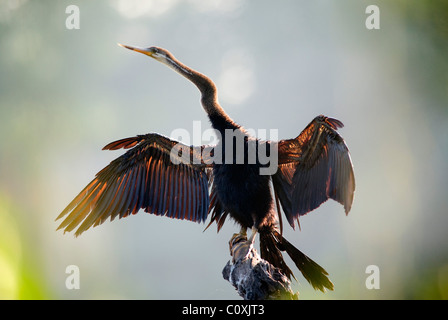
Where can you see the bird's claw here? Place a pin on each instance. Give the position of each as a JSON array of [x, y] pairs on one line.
[[240, 247]]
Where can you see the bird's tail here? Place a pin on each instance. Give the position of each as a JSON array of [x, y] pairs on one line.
[[271, 245]]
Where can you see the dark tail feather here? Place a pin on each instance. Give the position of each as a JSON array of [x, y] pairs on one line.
[[269, 249], [271, 243]]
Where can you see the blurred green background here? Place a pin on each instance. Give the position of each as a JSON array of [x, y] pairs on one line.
[[64, 94]]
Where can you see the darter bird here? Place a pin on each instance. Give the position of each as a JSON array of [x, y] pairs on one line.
[[223, 180]]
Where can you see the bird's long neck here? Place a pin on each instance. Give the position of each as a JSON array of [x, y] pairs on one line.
[[209, 95]]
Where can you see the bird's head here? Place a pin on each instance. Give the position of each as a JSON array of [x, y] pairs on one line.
[[157, 53], [163, 56]]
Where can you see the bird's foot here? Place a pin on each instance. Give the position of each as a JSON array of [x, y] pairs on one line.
[[241, 247]]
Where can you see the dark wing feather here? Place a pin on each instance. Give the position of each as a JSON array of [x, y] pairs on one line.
[[142, 178], [314, 167], [219, 214]]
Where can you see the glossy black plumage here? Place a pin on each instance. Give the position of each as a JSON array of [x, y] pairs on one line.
[[312, 168]]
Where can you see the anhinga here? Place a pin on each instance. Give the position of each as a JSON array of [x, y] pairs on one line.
[[311, 168]]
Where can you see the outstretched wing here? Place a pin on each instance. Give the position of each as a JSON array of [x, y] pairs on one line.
[[145, 177], [314, 167]]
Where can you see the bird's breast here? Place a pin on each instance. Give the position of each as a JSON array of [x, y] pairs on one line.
[[243, 192]]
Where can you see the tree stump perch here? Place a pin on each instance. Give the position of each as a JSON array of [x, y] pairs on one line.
[[253, 277]]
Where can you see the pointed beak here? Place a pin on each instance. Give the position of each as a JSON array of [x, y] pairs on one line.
[[147, 51]]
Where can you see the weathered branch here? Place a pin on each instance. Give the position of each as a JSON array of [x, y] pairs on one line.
[[253, 277]]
